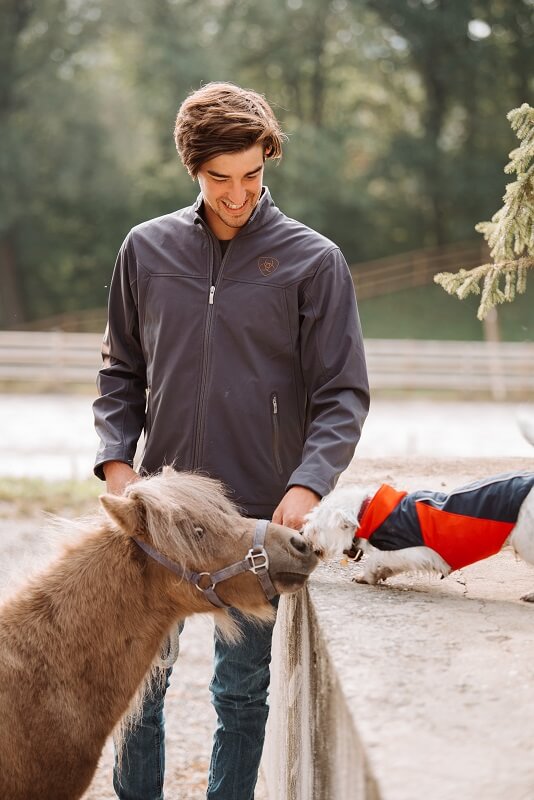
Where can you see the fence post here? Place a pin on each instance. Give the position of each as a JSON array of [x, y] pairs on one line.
[[495, 363]]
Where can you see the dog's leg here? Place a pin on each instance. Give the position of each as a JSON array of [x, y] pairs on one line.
[[522, 537], [383, 564]]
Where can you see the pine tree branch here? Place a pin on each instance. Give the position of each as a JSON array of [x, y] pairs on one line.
[[492, 277], [509, 234]]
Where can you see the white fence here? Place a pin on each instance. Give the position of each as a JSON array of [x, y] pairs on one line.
[[50, 358], [496, 369]]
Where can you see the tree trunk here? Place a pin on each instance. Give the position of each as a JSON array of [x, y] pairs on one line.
[[433, 121], [12, 306]]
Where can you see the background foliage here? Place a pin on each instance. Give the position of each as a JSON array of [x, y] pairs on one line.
[[396, 114]]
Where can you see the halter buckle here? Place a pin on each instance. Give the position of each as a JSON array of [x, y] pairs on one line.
[[204, 588], [258, 559]]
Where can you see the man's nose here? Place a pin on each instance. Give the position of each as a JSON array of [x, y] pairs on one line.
[[238, 194]]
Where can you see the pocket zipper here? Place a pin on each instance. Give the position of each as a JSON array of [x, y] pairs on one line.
[[276, 432]]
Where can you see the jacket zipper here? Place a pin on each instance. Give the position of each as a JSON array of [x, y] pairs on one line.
[[205, 351], [276, 432]]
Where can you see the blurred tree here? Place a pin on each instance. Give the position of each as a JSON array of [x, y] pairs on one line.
[[180, 43], [394, 111], [15, 16], [309, 59], [58, 175], [457, 51]]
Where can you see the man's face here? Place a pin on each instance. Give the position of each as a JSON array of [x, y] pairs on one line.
[[231, 187]]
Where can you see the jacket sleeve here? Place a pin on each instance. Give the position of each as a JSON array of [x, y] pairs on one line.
[[119, 411], [335, 375]]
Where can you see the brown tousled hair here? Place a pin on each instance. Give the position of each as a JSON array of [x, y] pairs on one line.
[[223, 118]]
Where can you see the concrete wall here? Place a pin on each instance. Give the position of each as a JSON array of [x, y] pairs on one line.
[[312, 750]]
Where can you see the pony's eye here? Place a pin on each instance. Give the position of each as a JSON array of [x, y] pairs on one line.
[[199, 532]]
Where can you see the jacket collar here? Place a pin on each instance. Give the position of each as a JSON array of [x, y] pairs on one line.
[[262, 214]]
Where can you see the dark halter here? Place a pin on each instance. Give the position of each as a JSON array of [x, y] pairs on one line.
[[256, 561]]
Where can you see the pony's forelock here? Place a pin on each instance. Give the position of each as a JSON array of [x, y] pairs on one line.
[[184, 501]]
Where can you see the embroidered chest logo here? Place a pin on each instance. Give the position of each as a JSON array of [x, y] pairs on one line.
[[267, 265]]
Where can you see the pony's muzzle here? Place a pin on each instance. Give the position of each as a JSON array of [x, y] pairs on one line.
[[300, 544]]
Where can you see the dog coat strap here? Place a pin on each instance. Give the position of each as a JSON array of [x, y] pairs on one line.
[[380, 507]]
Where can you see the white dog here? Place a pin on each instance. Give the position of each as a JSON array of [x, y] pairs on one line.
[[425, 531]]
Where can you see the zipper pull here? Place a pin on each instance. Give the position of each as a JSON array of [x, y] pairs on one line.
[[275, 404], [212, 292]]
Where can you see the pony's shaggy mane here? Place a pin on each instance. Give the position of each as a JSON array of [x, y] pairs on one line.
[[184, 501]]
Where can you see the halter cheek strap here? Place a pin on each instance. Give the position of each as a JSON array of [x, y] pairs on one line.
[[260, 560], [256, 561]]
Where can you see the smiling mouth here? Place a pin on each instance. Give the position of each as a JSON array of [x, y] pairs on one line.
[[232, 207]]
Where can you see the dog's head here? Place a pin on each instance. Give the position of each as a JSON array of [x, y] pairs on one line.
[[332, 524]]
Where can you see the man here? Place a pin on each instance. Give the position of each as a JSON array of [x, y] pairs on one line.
[[234, 342]]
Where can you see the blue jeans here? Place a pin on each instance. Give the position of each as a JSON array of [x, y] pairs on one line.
[[239, 694]]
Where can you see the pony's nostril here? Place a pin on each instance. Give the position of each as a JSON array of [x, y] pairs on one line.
[[299, 543]]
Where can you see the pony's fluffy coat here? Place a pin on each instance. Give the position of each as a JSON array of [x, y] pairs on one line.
[[77, 642]]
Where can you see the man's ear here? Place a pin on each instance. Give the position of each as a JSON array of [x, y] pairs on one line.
[[124, 511]]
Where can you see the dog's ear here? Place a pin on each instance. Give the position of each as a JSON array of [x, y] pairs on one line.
[[345, 518]]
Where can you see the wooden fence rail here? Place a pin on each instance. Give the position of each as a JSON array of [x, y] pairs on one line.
[[416, 268], [495, 369]]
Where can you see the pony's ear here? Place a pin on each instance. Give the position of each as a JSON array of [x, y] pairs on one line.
[[124, 511]]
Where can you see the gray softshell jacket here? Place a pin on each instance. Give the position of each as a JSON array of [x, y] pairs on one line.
[[248, 368]]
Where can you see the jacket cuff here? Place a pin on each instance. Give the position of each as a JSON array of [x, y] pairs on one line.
[[109, 455], [309, 481]]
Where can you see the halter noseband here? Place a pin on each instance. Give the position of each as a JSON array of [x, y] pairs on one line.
[[256, 561]]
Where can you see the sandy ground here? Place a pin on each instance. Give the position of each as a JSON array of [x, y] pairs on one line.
[[190, 718]]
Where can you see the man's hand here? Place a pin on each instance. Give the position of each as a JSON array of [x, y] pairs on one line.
[[295, 504], [118, 475]]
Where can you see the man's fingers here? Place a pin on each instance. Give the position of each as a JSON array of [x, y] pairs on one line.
[[293, 521], [277, 517]]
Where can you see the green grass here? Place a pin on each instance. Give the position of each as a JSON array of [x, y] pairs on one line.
[[26, 496], [427, 312]]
